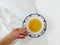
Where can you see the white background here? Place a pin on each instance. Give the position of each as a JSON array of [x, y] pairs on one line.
[[50, 9]]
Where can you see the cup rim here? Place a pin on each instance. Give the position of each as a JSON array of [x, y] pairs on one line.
[[44, 23]]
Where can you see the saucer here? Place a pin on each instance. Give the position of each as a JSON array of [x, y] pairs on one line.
[[36, 25]]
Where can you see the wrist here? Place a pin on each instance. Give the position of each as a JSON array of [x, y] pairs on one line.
[[7, 40]]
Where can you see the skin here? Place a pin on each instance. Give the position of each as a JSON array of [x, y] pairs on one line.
[[18, 33]]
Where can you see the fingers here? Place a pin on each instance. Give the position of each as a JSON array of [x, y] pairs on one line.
[[23, 35], [22, 32]]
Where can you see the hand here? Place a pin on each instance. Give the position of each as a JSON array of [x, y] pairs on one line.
[[18, 33]]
